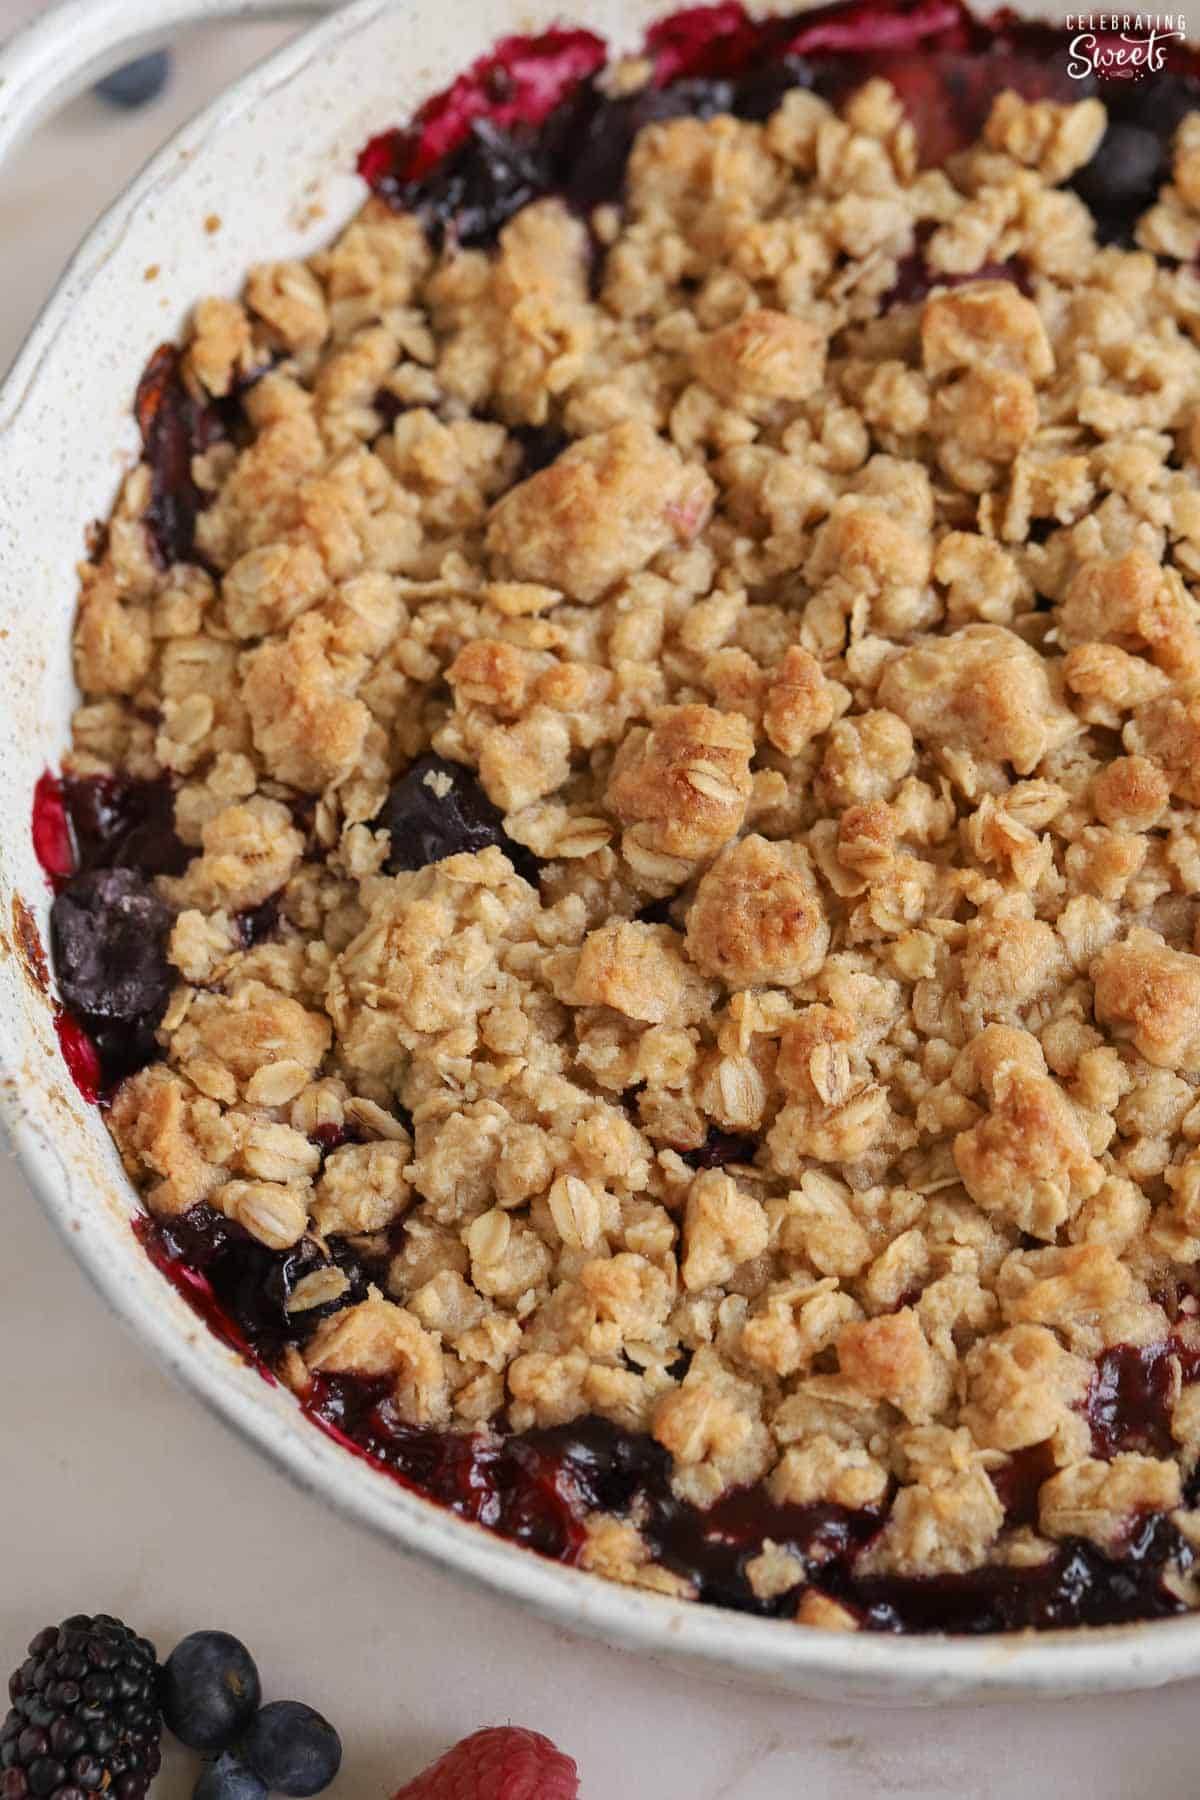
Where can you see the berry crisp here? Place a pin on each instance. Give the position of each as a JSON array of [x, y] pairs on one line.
[[628, 868]]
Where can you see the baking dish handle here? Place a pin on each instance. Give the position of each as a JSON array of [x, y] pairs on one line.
[[79, 40]]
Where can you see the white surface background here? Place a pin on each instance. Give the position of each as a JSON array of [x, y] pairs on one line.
[[119, 1493]]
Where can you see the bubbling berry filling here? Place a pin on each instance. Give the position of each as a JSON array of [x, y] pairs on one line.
[[101, 841], [539, 1487], [534, 118]]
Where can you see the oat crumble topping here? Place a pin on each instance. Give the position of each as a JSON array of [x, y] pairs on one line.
[[841, 678]]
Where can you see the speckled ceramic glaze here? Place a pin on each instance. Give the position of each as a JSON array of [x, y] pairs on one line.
[[270, 161]]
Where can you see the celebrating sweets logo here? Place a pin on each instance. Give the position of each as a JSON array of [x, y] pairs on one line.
[[1121, 46]]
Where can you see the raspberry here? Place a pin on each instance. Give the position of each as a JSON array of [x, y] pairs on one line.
[[503, 1763]]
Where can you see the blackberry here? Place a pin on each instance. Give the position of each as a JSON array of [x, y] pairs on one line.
[[84, 1716]]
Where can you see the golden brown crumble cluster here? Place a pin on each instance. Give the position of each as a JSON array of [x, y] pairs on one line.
[[858, 637]]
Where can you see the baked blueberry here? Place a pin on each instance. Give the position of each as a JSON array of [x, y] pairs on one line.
[[590, 140], [438, 809], [1124, 176], [719, 1148], [176, 426], [120, 822], [540, 446], [256, 1284], [109, 931], [609, 1467], [761, 91], [492, 176]]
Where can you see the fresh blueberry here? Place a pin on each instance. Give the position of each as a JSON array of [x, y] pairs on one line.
[[293, 1748], [136, 83], [229, 1779], [438, 809], [210, 1690]]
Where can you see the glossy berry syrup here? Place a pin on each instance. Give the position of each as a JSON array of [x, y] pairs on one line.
[[532, 119], [1132, 1394], [538, 1487]]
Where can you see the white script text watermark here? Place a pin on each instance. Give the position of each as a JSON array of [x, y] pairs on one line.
[[1122, 46]]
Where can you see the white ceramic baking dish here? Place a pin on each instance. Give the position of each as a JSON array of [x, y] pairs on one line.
[[272, 161]]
